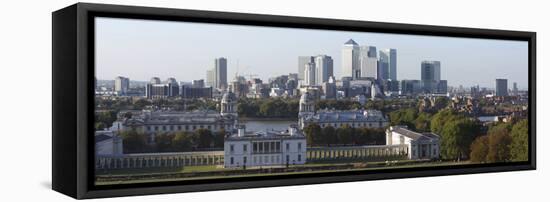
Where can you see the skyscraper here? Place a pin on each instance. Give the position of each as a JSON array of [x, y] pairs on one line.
[[350, 60], [122, 84], [210, 78], [430, 70], [324, 67], [368, 62], [515, 89], [388, 59], [309, 74], [220, 70], [302, 61], [501, 87], [430, 75]]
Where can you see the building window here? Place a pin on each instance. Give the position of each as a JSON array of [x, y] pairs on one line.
[[277, 146], [255, 147], [287, 146], [163, 128], [231, 148], [266, 160], [255, 159], [171, 128], [261, 147], [244, 160], [179, 127], [209, 127], [186, 127], [194, 127], [299, 157], [231, 160], [272, 146], [299, 146], [245, 147], [156, 128], [201, 126]]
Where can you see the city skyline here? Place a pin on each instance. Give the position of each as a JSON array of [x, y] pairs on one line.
[[123, 50]]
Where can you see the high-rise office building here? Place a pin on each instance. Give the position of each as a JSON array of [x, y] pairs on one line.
[[122, 84], [220, 69], [199, 83], [309, 74], [210, 78], [501, 87], [217, 76], [350, 60], [430, 70], [368, 62], [515, 89], [324, 66], [388, 61], [430, 74], [302, 61]]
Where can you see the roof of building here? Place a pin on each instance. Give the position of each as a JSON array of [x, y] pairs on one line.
[[176, 117], [346, 116], [351, 42], [101, 136], [267, 135], [403, 130]]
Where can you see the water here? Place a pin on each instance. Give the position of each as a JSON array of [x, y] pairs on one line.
[[487, 118], [263, 125]]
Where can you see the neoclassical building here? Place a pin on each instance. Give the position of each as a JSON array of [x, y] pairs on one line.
[[419, 145], [338, 118], [265, 148], [158, 122]]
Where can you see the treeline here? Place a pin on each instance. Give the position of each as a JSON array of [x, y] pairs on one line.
[[268, 108], [337, 104], [456, 131], [104, 119], [199, 140], [464, 137], [330, 136], [504, 142]]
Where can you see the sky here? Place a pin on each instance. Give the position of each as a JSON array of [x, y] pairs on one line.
[[141, 49]]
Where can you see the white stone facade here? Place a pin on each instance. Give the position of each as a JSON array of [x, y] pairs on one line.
[[265, 148], [420, 145]]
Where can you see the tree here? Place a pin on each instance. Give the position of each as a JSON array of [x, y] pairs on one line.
[[204, 138], [479, 149], [499, 141], [219, 138], [456, 137], [344, 135], [439, 119], [519, 150], [404, 117], [313, 135], [164, 142], [133, 141], [422, 122], [182, 141], [329, 136]]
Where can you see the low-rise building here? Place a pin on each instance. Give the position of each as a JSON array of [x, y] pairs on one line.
[[420, 145], [264, 148], [338, 118]]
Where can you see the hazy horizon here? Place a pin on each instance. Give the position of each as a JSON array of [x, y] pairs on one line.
[[141, 49]]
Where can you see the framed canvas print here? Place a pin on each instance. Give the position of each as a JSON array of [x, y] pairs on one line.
[[156, 100]]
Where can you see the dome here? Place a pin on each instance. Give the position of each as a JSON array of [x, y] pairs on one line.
[[229, 97]]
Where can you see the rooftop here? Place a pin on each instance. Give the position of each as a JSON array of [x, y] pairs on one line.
[[403, 130]]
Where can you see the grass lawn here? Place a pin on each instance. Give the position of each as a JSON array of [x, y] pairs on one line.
[[189, 169]]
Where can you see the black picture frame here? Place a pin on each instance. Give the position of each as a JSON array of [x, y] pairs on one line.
[[72, 98]]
